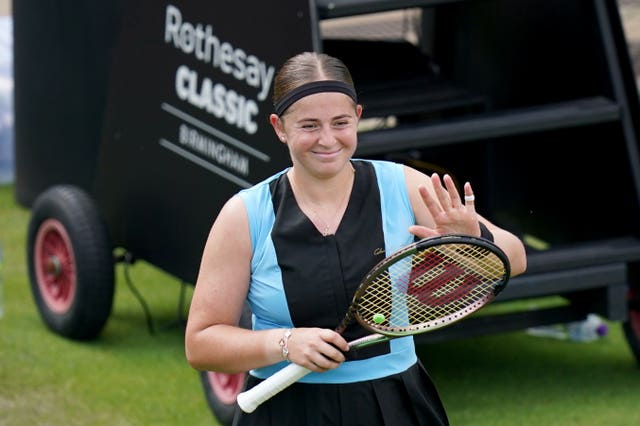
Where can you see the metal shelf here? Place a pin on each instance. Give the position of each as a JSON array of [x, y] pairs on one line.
[[587, 111]]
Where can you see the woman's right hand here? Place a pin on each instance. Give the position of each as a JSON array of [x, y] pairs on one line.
[[317, 349]]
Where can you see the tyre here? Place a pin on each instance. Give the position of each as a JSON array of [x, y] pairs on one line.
[[70, 260], [631, 326], [221, 390]]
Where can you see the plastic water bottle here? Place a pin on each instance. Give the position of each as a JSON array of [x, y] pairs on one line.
[[558, 331], [588, 330]]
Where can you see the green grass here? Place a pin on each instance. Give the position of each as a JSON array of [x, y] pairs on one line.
[[516, 379], [130, 377], [126, 377]]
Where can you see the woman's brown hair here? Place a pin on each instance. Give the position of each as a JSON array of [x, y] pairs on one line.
[[307, 67]]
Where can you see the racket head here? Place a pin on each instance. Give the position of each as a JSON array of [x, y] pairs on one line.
[[430, 284]]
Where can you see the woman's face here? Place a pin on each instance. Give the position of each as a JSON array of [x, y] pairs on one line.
[[320, 131]]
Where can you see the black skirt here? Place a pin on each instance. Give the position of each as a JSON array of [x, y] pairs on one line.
[[403, 399]]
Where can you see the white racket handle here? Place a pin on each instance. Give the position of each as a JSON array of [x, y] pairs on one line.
[[249, 400], [285, 377]]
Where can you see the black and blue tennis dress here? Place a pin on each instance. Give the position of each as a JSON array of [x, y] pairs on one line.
[[300, 278]]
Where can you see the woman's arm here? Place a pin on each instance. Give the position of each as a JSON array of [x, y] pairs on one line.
[[213, 339]]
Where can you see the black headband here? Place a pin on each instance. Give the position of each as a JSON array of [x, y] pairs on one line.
[[311, 88]]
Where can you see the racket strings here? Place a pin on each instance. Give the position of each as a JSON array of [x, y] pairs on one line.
[[430, 288]]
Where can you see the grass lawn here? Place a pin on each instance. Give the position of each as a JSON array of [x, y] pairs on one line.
[[131, 377], [516, 379], [126, 377]]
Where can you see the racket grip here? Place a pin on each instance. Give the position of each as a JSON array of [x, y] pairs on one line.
[[249, 400]]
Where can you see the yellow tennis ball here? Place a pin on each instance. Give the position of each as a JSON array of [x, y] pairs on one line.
[[378, 318]]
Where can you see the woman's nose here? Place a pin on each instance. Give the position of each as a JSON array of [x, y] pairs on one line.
[[327, 136]]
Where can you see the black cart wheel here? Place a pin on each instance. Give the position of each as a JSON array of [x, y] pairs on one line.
[[71, 265], [631, 326], [220, 389]]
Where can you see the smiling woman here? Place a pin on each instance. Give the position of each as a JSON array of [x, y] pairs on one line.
[[296, 246]]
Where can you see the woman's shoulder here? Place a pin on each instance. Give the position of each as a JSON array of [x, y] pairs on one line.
[[376, 163], [261, 187], [385, 169]]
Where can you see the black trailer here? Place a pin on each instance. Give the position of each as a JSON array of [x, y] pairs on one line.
[[135, 120]]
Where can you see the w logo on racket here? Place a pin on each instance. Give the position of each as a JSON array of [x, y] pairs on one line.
[[435, 281]]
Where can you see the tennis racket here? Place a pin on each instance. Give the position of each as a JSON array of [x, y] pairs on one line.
[[422, 287]]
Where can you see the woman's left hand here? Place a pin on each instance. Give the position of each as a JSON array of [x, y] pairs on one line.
[[450, 214]]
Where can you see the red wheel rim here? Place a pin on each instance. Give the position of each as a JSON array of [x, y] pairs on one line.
[[226, 387], [55, 266]]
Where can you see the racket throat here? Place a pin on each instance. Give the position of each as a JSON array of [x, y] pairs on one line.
[[348, 319]]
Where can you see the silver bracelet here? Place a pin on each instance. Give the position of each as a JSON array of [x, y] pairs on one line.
[[284, 341]]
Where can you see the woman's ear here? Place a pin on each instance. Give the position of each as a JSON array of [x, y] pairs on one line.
[[276, 123], [358, 111]]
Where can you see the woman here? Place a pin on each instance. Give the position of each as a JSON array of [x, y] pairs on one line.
[[297, 245]]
